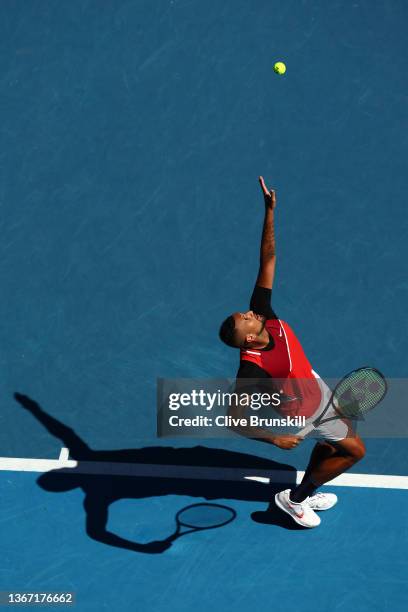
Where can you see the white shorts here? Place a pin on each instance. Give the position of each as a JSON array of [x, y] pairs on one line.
[[335, 430]]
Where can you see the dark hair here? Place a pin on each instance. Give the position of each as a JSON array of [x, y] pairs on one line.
[[227, 332]]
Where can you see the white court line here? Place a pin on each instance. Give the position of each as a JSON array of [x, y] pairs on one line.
[[370, 481], [64, 454], [15, 464]]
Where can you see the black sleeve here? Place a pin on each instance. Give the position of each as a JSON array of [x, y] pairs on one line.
[[261, 302], [247, 369], [251, 378]]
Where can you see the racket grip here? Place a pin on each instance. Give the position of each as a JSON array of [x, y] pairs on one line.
[[306, 430]]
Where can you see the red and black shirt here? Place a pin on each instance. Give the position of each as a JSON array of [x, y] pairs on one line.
[[282, 360]]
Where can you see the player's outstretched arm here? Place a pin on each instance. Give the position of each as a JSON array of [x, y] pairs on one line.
[[267, 264]]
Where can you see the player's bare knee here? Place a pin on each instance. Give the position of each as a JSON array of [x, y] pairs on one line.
[[361, 450], [352, 449], [357, 450]]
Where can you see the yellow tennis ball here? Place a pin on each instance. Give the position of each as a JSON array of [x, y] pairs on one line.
[[279, 68]]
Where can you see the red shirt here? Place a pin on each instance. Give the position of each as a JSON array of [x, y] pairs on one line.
[[287, 362]]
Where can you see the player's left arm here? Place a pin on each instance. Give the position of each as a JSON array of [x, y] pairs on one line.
[[267, 262]]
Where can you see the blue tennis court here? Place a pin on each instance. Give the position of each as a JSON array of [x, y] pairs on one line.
[[133, 133]]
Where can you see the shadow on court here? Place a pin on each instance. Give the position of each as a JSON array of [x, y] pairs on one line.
[[103, 489]]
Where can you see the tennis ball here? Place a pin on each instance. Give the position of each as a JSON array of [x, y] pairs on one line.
[[279, 68]]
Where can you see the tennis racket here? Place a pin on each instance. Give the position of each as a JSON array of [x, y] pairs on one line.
[[355, 395], [199, 517]]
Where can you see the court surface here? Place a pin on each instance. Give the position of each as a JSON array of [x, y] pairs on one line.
[[133, 133]]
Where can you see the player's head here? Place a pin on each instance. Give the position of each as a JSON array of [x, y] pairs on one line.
[[242, 329]]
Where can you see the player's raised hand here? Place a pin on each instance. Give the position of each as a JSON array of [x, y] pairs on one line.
[[269, 194]]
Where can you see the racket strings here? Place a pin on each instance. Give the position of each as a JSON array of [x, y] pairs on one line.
[[203, 516], [360, 392]]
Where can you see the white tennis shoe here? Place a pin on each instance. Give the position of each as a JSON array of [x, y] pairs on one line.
[[302, 513], [321, 501]]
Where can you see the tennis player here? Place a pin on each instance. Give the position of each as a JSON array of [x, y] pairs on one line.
[[269, 349]]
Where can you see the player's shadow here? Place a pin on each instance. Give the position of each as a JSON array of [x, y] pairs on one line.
[[103, 489]]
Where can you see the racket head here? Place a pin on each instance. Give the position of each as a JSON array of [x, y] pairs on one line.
[[359, 392], [205, 516]]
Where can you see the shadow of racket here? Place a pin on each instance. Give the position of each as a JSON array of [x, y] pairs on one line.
[[201, 517], [195, 518]]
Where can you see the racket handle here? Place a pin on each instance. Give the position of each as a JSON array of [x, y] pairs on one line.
[[303, 432]]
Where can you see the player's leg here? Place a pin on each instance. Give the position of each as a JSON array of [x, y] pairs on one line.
[[340, 448], [327, 461], [322, 451], [348, 452]]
